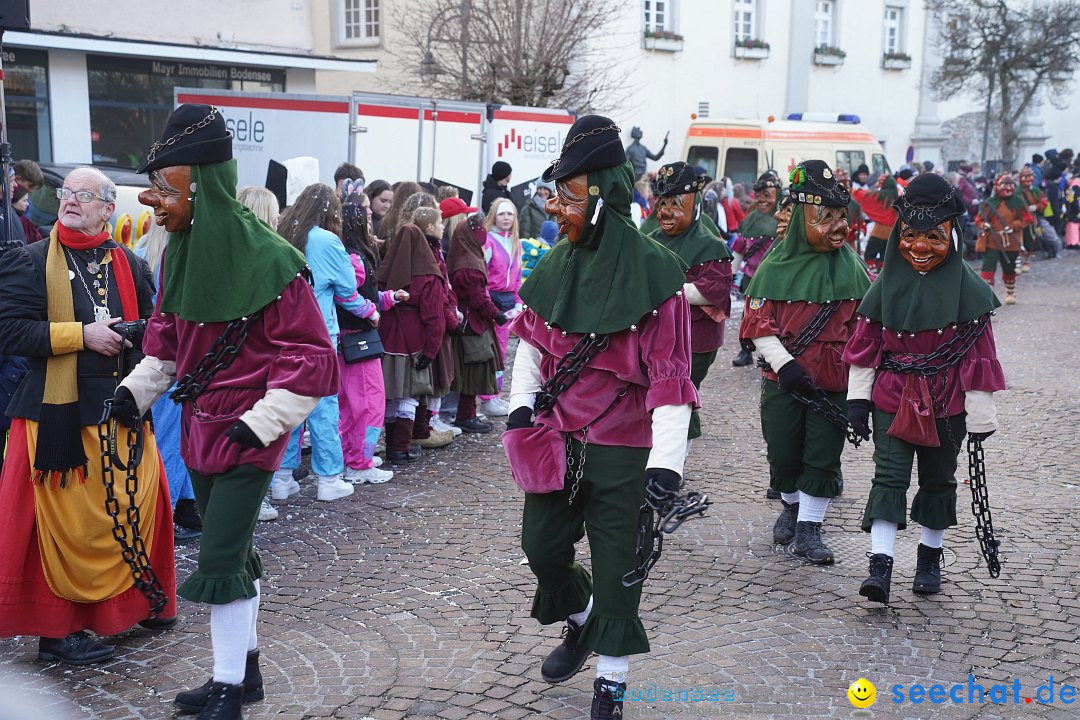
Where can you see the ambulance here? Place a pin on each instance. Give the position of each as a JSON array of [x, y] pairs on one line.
[[744, 149]]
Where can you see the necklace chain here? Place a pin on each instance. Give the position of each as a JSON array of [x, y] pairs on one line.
[[101, 312]]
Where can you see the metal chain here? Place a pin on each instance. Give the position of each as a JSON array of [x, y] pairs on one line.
[[568, 370], [661, 513], [980, 507], [581, 136], [143, 576], [822, 405], [576, 469], [189, 130], [813, 328], [220, 356], [759, 242], [946, 355]]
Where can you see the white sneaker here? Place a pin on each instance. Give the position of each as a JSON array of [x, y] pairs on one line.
[[495, 407], [437, 423], [332, 487], [267, 511], [376, 461], [372, 475], [283, 487]]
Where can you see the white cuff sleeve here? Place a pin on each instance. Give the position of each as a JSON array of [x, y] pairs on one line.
[[773, 351], [670, 424], [526, 378], [277, 413], [693, 295], [981, 411], [860, 384], [150, 379]]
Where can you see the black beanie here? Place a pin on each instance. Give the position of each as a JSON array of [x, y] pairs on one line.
[[501, 170]]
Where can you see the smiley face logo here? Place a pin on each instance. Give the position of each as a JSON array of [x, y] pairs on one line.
[[862, 693]]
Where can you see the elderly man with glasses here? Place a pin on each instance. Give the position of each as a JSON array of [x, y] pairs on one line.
[[62, 573]]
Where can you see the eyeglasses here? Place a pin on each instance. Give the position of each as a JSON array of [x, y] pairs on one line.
[[83, 196]]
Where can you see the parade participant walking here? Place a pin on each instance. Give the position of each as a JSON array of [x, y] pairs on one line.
[[856, 221], [708, 277], [411, 332], [924, 366], [877, 205], [362, 397], [1001, 220], [757, 233], [226, 275], [800, 311], [1036, 203], [477, 356], [61, 571], [504, 262], [614, 298]]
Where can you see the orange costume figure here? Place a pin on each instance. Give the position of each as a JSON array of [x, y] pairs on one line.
[[1001, 221]]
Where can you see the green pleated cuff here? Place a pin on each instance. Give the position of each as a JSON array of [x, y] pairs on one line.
[[816, 484], [614, 636], [936, 511], [552, 605], [886, 504], [222, 590]]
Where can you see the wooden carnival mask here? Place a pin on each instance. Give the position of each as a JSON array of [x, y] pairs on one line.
[[569, 205], [675, 213], [826, 227], [924, 250]]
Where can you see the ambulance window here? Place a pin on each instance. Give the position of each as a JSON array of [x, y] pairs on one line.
[[741, 165], [881, 165], [848, 160], [705, 157]]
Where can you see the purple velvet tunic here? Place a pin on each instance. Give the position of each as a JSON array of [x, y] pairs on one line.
[[288, 348], [978, 370], [713, 281], [652, 362]]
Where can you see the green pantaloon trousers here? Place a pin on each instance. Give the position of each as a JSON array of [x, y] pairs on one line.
[[803, 447], [699, 368]]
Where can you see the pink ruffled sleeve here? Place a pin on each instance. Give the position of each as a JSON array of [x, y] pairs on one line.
[[305, 362], [665, 352], [713, 281], [866, 346], [980, 369], [759, 321]]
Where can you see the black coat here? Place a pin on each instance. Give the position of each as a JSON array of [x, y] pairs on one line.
[[492, 192], [24, 329]]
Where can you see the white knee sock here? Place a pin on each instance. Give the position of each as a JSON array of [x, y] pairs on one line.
[[613, 668], [932, 538], [579, 618], [434, 404], [230, 626], [811, 508], [882, 537], [790, 498], [253, 638], [406, 408]]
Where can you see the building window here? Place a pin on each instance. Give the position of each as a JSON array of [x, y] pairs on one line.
[[745, 20], [658, 16], [26, 86], [824, 13], [892, 26], [359, 22], [131, 98]]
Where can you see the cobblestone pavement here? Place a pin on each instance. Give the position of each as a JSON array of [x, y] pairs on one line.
[[410, 599]]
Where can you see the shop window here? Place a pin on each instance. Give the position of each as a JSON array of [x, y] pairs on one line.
[[26, 90], [131, 99]]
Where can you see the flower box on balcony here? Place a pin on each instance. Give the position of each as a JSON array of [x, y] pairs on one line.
[[754, 50], [824, 55], [896, 62], [663, 40]]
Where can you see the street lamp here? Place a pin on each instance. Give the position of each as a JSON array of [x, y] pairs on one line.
[[429, 66]]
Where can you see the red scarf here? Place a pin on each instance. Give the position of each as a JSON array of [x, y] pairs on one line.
[[125, 284]]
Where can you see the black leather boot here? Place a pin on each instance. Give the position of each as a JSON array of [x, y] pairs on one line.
[[78, 648], [744, 358], [876, 587], [808, 543], [927, 571], [565, 661], [187, 514], [223, 702], [783, 531], [193, 701], [607, 700], [772, 494]]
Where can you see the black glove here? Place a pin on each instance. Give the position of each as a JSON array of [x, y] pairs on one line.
[[662, 479], [456, 331], [980, 436], [501, 319], [858, 414], [124, 408], [422, 362], [241, 434], [793, 379], [520, 418]]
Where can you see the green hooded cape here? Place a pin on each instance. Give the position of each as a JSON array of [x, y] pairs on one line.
[[613, 276], [696, 245], [902, 298], [795, 271], [229, 263], [757, 223]]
